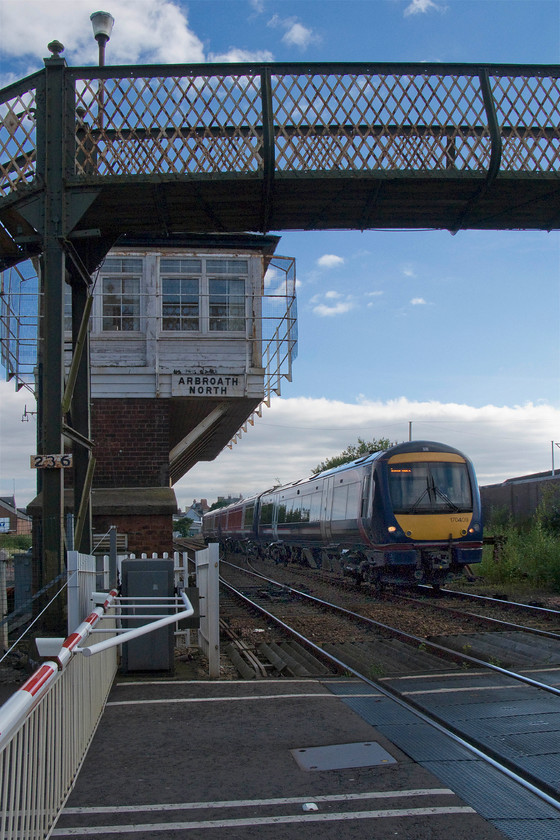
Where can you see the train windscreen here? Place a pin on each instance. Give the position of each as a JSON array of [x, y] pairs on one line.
[[429, 487]]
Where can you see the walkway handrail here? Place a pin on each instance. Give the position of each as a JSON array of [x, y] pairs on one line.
[[119, 639]]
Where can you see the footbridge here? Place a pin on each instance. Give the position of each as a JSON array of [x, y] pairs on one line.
[[164, 149]]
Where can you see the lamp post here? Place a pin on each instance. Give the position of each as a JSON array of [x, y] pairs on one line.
[[102, 23]]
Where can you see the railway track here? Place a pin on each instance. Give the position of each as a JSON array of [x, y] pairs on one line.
[[467, 705]]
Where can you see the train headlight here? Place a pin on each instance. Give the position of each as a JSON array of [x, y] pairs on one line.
[[391, 529]]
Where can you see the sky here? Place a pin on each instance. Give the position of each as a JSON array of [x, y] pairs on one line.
[[449, 338]]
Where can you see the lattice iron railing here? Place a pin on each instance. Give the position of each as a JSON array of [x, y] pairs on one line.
[[207, 120]]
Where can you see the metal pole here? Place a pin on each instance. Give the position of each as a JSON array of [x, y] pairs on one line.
[[552, 446], [112, 556], [80, 414], [3, 601], [52, 333]]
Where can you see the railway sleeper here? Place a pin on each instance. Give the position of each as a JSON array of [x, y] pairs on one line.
[[491, 648], [246, 670], [294, 667], [306, 658]]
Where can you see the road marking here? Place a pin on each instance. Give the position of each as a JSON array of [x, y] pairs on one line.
[[242, 699], [244, 803], [137, 828]]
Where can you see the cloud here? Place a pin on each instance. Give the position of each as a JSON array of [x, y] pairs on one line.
[[418, 301], [235, 54], [325, 311], [418, 7], [145, 30], [295, 435], [296, 35], [17, 444], [330, 261], [331, 303]]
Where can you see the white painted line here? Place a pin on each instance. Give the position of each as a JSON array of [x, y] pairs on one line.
[[258, 821], [244, 803], [461, 689], [236, 699], [285, 681], [436, 676]]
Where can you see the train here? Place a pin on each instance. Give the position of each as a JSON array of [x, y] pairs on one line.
[[406, 515]]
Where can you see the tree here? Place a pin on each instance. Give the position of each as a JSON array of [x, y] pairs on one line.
[[183, 526], [352, 452]]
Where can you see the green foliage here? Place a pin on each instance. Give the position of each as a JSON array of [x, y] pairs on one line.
[[352, 452], [183, 526], [13, 542], [530, 551]]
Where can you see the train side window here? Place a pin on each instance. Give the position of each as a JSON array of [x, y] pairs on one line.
[[281, 514], [340, 498], [293, 511], [315, 506], [266, 513], [249, 515], [306, 508], [353, 501]]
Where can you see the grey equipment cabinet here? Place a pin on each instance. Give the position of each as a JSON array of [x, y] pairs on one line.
[[148, 578]]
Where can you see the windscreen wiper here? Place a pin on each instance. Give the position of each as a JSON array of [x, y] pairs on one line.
[[437, 492]]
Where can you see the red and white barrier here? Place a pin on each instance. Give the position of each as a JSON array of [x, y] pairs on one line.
[[23, 701]]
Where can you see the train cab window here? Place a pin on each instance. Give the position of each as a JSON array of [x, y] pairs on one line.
[[429, 487]]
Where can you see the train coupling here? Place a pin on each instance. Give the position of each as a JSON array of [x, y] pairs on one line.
[[436, 560]]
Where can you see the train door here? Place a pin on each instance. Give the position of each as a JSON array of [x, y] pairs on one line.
[[368, 488], [326, 509]]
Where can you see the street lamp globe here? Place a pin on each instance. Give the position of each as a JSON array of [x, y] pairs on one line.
[[102, 23]]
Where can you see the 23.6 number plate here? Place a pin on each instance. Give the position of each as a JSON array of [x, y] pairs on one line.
[[55, 462]]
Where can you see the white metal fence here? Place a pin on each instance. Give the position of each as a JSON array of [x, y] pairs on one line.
[[46, 728], [47, 725]]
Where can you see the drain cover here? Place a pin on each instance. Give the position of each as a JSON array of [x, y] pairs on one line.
[[339, 756]]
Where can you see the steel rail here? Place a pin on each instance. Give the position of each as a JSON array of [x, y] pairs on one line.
[[456, 594], [448, 652], [536, 786], [512, 625]]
